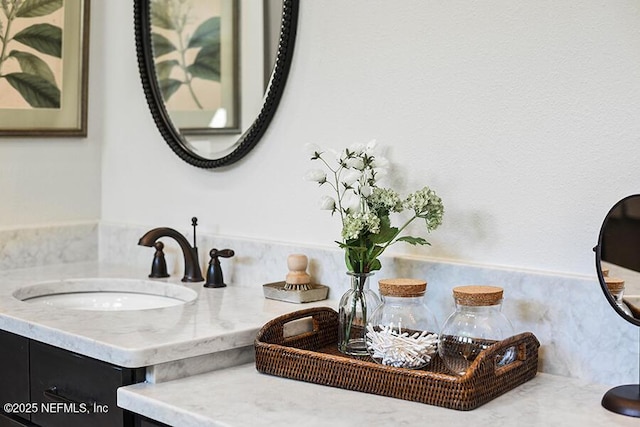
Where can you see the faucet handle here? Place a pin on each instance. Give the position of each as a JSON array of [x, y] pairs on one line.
[[194, 224], [222, 253], [214, 272], [159, 264]]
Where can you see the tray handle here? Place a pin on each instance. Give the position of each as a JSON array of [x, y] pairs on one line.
[[324, 321], [525, 346]]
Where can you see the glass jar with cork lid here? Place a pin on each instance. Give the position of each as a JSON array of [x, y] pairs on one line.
[[402, 331], [476, 323], [616, 289]]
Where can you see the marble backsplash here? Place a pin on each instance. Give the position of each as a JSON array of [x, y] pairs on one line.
[[38, 246], [580, 335]]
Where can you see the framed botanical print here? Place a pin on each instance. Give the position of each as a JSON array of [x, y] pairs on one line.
[[44, 47]]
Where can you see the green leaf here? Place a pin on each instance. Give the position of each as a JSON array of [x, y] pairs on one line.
[[161, 15], [38, 92], [207, 63], [34, 8], [45, 38], [164, 68], [31, 64], [375, 252], [207, 34], [169, 87], [161, 45], [413, 240], [375, 265], [347, 261], [385, 234]]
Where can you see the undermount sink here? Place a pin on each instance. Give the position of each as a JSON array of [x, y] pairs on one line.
[[105, 294]]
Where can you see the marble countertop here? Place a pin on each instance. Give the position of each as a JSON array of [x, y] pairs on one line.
[[219, 319], [241, 396]]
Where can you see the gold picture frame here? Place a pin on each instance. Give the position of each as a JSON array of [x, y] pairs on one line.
[[44, 74]]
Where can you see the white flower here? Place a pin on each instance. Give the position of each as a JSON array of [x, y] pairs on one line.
[[351, 203], [365, 207], [365, 190], [427, 205], [316, 175], [355, 163], [385, 200], [327, 203], [358, 223], [351, 176]]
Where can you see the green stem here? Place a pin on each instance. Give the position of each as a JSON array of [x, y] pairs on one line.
[[360, 297], [183, 64], [5, 38], [336, 178], [393, 239], [179, 17]]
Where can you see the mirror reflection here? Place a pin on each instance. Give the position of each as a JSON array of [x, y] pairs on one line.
[[619, 260], [195, 52]]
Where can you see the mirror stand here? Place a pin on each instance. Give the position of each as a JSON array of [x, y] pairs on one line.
[[624, 399]]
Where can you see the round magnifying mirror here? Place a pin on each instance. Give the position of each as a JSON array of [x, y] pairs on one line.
[[618, 258], [618, 269]]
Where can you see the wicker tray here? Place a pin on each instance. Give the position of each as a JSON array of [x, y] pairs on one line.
[[313, 356]]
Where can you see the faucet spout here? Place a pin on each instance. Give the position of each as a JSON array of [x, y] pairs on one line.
[[192, 272]]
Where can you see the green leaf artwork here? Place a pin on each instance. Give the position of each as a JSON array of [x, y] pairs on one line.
[[26, 53], [181, 53]]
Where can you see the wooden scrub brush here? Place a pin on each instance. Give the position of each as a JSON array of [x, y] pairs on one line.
[[297, 279]]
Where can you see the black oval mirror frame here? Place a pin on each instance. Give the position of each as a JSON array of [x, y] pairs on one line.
[[252, 135], [598, 251]]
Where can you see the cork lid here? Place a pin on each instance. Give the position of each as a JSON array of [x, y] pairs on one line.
[[614, 284], [478, 295], [402, 287]]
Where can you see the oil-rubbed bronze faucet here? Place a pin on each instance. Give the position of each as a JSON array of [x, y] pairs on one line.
[[192, 272]]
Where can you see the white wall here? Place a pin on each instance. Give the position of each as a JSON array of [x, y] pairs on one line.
[[523, 115], [47, 181]]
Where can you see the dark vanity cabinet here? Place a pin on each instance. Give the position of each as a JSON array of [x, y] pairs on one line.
[[146, 422], [52, 387], [14, 373]]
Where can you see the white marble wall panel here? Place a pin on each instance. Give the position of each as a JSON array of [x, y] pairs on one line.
[[48, 245], [580, 335]]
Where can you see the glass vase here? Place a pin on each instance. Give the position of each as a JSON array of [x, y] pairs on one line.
[[355, 305]]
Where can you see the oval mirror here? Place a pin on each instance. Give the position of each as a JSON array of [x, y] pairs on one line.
[[618, 258], [211, 102], [618, 269]]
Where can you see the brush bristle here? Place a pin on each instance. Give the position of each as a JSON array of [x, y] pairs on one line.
[[297, 287]]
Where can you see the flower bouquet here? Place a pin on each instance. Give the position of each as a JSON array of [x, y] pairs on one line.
[[365, 210]]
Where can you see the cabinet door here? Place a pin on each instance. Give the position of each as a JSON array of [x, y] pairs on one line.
[[14, 370], [146, 422], [6, 421], [75, 390]]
